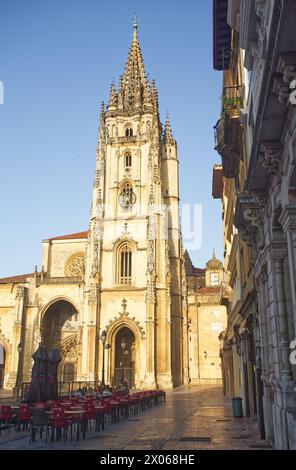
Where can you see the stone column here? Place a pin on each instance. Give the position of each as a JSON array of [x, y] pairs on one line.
[[186, 374], [89, 335], [150, 379], [17, 338], [288, 221], [286, 373]]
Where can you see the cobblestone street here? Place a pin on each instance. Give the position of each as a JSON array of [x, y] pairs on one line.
[[193, 417]]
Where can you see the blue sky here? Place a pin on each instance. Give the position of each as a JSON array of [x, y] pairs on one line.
[[57, 60]]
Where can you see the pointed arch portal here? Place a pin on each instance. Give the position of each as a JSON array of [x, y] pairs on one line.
[[59, 329], [124, 356], [53, 321]]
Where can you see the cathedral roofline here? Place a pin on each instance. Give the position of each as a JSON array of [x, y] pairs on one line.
[[15, 279], [69, 236], [208, 290]]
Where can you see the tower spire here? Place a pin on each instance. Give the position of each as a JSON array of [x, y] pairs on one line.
[[113, 97], [168, 135], [135, 27], [102, 113], [133, 84]]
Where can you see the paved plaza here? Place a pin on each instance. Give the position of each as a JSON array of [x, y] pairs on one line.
[[193, 417]]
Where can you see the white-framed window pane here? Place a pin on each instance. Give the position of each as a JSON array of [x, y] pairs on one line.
[[214, 279]]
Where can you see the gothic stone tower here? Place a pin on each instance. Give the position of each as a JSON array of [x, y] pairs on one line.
[[133, 285]]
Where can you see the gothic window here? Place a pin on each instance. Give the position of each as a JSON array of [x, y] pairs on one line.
[[125, 265], [214, 279], [128, 160], [127, 196], [128, 132]]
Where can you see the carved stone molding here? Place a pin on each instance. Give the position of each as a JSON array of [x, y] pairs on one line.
[[278, 251], [263, 275], [20, 292], [69, 347], [93, 294], [71, 325], [249, 220], [150, 292], [260, 10], [270, 154], [156, 174], [74, 266], [249, 323], [287, 219], [125, 318], [286, 73]]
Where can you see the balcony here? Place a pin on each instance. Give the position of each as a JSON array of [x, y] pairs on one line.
[[228, 130]]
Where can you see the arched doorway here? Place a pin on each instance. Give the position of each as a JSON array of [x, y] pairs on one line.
[[60, 329], [2, 365], [54, 320], [69, 372], [124, 357]]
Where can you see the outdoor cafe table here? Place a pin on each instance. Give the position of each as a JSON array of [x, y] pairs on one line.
[[72, 413]]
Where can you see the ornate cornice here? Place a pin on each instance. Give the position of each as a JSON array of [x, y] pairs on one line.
[[286, 73], [270, 155], [288, 219], [20, 292], [248, 220]]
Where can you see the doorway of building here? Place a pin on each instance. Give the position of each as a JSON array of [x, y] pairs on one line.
[[69, 372], [59, 330], [2, 365], [124, 368], [54, 321]]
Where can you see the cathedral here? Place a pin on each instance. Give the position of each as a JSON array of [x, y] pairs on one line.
[[121, 300]]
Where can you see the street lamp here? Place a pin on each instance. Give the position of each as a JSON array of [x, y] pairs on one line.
[[105, 346], [123, 346]]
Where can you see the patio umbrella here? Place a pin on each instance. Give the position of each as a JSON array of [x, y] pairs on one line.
[[52, 377], [38, 379], [42, 376]]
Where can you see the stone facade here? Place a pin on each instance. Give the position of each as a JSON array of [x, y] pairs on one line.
[[256, 183], [206, 319], [126, 274]]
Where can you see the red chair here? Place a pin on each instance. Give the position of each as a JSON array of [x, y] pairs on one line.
[[23, 417], [125, 405], [6, 416], [60, 423], [107, 408], [90, 412]]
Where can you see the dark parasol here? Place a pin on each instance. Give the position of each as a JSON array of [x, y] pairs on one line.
[[52, 377], [38, 385]]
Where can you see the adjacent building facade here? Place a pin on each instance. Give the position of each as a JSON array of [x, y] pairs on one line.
[[255, 47], [126, 275]]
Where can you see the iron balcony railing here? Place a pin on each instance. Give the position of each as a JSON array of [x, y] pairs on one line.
[[232, 98], [232, 102], [219, 130]]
